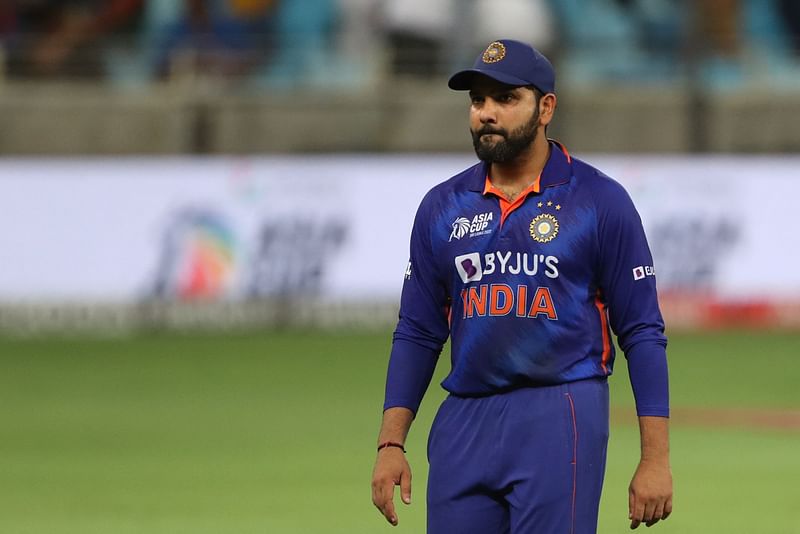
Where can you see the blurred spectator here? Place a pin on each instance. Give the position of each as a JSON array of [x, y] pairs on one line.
[[599, 40], [417, 33], [7, 20], [719, 40], [660, 25], [304, 49], [47, 38], [790, 14], [719, 22], [530, 21], [358, 42], [619, 40], [222, 37]]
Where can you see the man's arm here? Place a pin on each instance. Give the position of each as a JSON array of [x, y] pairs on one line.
[[627, 280], [650, 492], [422, 330], [391, 466]]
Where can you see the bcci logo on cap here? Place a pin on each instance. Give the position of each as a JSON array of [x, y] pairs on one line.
[[494, 52]]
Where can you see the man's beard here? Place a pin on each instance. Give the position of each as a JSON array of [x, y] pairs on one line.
[[510, 147]]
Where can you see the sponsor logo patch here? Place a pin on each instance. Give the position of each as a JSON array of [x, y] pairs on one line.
[[469, 267], [643, 271], [474, 266]]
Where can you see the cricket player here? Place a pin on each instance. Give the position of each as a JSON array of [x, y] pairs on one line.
[[528, 260]]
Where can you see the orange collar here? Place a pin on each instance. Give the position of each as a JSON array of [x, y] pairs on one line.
[[506, 205], [489, 188]]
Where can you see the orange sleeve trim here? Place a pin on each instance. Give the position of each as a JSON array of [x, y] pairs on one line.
[[601, 308]]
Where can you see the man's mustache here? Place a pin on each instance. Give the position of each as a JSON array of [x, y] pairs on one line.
[[488, 130]]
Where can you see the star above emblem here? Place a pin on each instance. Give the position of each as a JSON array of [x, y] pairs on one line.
[[549, 203], [539, 205], [558, 207]]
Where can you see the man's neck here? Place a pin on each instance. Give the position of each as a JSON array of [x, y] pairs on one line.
[[514, 176]]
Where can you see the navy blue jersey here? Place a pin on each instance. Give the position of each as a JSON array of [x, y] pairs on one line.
[[529, 291]]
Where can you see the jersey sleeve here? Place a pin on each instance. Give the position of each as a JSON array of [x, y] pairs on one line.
[[423, 326], [628, 284]]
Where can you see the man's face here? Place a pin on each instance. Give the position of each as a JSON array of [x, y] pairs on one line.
[[504, 120]]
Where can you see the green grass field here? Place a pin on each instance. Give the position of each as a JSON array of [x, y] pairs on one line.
[[275, 432]]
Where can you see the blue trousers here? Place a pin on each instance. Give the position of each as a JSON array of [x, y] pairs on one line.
[[529, 461]]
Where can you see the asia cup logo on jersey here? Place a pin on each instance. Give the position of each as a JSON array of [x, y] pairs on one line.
[[460, 228], [495, 52], [544, 228], [479, 225]]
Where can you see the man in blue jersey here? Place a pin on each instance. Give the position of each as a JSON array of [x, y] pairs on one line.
[[528, 261]]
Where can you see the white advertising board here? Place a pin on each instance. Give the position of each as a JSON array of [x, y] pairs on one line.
[[723, 226], [337, 227]]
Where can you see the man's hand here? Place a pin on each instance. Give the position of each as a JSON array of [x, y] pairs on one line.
[[391, 469], [650, 493]]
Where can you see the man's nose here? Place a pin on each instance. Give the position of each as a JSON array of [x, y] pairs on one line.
[[488, 112]]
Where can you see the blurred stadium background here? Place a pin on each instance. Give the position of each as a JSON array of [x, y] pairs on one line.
[[206, 205]]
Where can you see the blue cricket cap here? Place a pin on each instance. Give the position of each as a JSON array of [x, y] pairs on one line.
[[510, 62]]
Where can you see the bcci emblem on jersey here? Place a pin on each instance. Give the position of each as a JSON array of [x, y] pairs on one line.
[[544, 228]]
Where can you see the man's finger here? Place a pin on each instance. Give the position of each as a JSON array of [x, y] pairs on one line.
[[382, 494], [377, 494], [649, 510], [638, 512], [388, 512], [657, 514], [405, 486], [667, 508], [631, 504], [388, 503]]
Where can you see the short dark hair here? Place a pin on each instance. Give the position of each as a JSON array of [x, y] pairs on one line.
[[537, 94]]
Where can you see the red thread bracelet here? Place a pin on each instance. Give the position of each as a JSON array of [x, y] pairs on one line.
[[391, 444]]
